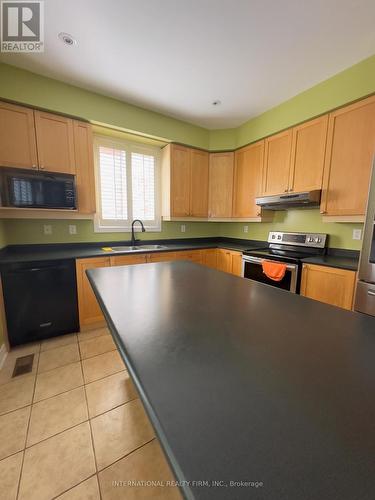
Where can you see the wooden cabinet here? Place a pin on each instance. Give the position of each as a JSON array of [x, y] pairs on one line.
[[199, 183], [277, 155], [180, 181], [90, 313], [209, 257], [350, 151], [229, 261], [192, 255], [329, 285], [308, 153], [55, 143], [85, 182], [248, 168], [221, 185], [127, 260], [185, 182], [17, 137], [161, 256]]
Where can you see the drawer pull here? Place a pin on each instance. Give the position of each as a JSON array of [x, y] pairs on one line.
[[371, 292]]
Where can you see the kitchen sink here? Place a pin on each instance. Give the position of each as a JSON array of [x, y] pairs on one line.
[[138, 248]]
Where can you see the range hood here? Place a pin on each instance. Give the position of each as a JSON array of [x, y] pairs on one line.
[[305, 199]]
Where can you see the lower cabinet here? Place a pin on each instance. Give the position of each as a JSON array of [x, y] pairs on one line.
[[229, 261], [328, 284], [90, 313]]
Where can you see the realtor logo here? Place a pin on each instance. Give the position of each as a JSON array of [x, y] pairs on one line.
[[22, 26]]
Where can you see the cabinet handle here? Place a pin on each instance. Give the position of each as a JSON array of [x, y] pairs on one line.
[[34, 166], [285, 190], [258, 214], [42, 167]]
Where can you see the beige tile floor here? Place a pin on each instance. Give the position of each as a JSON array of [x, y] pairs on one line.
[[74, 428]]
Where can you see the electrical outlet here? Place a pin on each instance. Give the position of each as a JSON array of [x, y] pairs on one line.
[[72, 229], [183, 228], [47, 229], [357, 234], [246, 229]]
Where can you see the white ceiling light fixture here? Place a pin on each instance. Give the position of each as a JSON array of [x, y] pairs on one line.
[[67, 39]]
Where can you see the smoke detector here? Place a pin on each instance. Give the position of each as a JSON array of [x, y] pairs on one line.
[[67, 39], [216, 102]]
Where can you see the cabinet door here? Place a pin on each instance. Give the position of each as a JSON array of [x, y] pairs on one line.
[[308, 152], [329, 285], [350, 151], [193, 255], [199, 183], [127, 260], [161, 256], [221, 184], [89, 310], [85, 183], [237, 263], [209, 257], [247, 180], [17, 137], [180, 181], [224, 260], [277, 162], [55, 142]]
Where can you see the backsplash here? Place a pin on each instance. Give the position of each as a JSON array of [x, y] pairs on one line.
[[340, 234], [30, 231]]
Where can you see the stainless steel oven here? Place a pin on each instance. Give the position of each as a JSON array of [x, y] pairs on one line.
[[252, 269]]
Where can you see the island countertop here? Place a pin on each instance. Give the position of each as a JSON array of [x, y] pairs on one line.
[[246, 382]]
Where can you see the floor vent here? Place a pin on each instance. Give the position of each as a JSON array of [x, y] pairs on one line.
[[23, 365]]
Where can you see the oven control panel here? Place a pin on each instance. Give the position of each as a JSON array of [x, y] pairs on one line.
[[313, 240]]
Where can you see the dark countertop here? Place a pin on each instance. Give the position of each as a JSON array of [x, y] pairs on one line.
[[30, 253], [344, 259], [341, 262], [244, 381]]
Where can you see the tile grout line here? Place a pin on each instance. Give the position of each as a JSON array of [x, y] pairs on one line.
[[91, 435], [69, 489], [27, 429], [127, 455]]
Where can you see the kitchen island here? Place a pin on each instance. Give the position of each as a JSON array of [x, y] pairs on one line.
[[256, 392]]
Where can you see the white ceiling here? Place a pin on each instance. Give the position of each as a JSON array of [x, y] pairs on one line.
[[177, 56]]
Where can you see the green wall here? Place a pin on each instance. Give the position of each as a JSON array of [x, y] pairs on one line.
[[29, 88], [19, 231], [340, 234]]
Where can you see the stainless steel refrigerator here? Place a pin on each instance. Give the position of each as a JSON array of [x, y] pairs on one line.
[[365, 293]]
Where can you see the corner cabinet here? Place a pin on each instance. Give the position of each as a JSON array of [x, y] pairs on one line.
[[328, 284], [278, 150], [221, 185], [350, 152], [85, 179], [248, 167], [185, 182]]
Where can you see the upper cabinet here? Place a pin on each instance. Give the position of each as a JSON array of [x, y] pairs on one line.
[[17, 137], [350, 151], [55, 142], [221, 185], [32, 139], [278, 150], [294, 159], [248, 168], [199, 183], [185, 182], [308, 152], [85, 181]]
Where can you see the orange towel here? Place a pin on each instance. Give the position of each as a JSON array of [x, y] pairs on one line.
[[273, 270]]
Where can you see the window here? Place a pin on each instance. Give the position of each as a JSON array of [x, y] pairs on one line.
[[128, 185]]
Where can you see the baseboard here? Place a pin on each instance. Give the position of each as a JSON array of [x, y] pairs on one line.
[[3, 355]]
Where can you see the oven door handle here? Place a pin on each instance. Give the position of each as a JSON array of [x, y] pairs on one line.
[[258, 260]]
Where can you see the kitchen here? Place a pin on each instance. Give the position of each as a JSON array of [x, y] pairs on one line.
[[155, 264]]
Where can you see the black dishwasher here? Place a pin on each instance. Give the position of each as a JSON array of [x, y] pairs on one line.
[[40, 300]]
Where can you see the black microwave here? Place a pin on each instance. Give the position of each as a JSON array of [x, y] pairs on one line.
[[25, 189]]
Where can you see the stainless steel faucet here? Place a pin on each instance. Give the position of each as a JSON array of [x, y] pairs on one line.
[[133, 242]]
